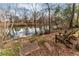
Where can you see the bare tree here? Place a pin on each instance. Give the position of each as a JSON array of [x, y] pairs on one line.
[[34, 14], [48, 7], [72, 15], [77, 12]]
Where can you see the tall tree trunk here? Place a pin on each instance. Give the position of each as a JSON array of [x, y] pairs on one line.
[[43, 23], [49, 18], [49, 22], [77, 19], [40, 26], [35, 26], [72, 16], [35, 22]]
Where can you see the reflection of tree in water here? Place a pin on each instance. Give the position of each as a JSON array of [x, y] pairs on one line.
[[26, 31]]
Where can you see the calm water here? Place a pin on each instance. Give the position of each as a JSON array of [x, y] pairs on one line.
[[26, 31]]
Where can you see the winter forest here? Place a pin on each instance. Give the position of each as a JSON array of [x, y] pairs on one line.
[[39, 29]]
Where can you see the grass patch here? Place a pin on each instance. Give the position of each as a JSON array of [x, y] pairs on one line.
[[41, 41], [7, 52], [11, 51]]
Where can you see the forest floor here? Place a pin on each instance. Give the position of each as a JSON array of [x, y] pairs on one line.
[[42, 45], [52, 48]]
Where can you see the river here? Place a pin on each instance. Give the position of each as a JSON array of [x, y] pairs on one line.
[[25, 31]]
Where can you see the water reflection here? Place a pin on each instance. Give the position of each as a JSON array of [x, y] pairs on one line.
[[26, 31]]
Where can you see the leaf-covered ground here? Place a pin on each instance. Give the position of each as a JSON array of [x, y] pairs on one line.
[[58, 49]]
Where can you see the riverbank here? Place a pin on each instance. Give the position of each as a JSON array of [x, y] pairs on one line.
[[43, 45]]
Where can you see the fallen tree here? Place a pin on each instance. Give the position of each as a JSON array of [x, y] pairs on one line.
[[65, 38]]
